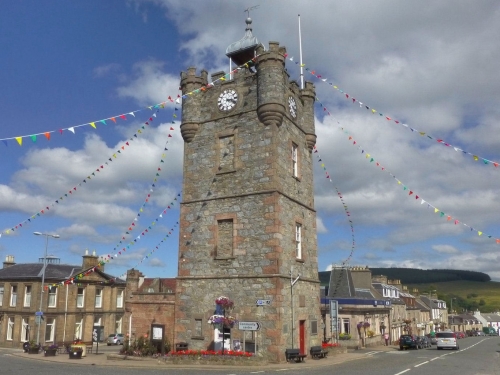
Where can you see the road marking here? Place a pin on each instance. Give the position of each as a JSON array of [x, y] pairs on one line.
[[420, 364], [283, 369], [402, 372], [372, 353], [433, 359], [398, 352], [256, 372]]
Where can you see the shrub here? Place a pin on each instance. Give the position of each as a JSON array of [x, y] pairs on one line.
[[370, 333], [142, 347], [344, 336]]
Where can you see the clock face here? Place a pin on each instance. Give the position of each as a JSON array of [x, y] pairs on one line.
[[227, 100], [292, 106]]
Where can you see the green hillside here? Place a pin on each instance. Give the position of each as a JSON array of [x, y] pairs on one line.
[[468, 295]]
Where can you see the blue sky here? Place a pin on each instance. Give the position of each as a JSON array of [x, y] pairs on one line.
[[432, 67]]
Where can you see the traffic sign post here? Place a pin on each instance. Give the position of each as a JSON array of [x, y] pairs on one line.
[[249, 326]]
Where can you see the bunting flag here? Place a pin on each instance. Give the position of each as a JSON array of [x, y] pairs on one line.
[[353, 100], [347, 213], [405, 188], [107, 258], [89, 177]]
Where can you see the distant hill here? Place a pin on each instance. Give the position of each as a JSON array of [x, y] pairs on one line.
[[418, 276]]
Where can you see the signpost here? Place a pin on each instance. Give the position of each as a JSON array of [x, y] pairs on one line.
[[249, 326], [263, 302], [334, 313]]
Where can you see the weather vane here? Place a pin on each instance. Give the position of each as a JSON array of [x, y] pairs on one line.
[[249, 9]]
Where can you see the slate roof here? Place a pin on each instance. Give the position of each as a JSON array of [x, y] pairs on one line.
[[243, 50], [341, 285], [34, 271], [491, 317], [26, 271]]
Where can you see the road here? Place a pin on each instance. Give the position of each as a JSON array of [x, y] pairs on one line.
[[477, 356]]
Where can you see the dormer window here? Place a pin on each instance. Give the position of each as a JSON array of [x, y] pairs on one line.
[[151, 290]]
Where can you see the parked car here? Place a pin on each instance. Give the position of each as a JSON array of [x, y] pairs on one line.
[[460, 335], [424, 342], [115, 339], [480, 333], [432, 339], [408, 342], [447, 340]]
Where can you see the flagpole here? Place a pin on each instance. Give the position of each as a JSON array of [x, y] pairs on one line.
[[300, 58]]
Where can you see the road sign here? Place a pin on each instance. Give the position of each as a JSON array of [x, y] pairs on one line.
[[248, 326], [39, 313], [263, 302]]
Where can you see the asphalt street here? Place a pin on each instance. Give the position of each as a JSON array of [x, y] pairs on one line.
[[477, 356]]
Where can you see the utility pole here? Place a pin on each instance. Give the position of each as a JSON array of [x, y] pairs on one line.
[[39, 316]]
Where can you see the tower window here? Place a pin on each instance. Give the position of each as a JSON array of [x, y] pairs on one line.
[[295, 165], [224, 238], [298, 240]]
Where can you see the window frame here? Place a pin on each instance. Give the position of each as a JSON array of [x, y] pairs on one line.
[[346, 323], [80, 297], [52, 294], [13, 296], [298, 241], [120, 294], [2, 292], [50, 328], [10, 329], [25, 329], [118, 324], [27, 295], [79, 329], [295, 160], [98, 296]]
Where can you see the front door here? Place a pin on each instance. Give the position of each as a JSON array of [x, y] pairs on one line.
[[302, 336]]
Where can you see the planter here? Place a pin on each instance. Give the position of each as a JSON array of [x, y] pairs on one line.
[[33, 350], [49, 352], [75, 354]]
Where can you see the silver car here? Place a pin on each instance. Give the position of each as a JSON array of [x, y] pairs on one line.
[[115, 339]]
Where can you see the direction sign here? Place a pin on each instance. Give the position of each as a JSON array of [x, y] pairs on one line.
[[39, 313], [248, 326], [263, 302]]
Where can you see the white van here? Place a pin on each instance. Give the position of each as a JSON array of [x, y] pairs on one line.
[[446, 340]]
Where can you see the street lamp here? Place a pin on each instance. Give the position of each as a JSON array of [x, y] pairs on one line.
[[47, 235]]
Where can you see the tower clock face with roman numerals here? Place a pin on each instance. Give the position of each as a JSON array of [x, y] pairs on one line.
[[227, 100], [292, 107]]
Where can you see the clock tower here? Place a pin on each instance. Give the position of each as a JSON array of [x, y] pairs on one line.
[[247, 220]]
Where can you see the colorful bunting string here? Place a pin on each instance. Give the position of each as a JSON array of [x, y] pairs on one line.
[[405, 188], [353, 100], [74, 190], [348, 215], [93, 124]]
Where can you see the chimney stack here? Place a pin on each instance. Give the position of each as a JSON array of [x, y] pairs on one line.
[[9, 261]]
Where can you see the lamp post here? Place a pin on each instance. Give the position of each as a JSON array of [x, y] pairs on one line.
[[451, 308], [47, 235]]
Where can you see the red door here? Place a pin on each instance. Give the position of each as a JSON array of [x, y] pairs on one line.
[[302, 336]]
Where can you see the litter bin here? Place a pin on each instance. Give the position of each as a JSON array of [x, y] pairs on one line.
[[181, 346]]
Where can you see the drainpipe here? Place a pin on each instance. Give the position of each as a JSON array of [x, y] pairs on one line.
[[130, 327], [65, 315]]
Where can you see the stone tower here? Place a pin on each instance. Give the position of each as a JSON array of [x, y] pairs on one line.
[[247, 220]]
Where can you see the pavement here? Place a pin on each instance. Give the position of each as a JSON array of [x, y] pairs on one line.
[[116, 360]]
